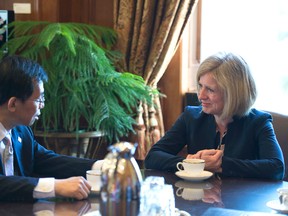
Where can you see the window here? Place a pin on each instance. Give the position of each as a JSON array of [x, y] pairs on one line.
[[255, 29]]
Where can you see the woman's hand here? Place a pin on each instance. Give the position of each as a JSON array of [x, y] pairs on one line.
[[212, 157]]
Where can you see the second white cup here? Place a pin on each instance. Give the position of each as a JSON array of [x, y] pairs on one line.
[[94, 179], [283, 196]]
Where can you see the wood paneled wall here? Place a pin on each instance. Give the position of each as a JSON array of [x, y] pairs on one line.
[[170, 85], [100, 12], [85, 11]]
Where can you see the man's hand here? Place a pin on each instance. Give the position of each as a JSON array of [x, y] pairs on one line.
[[74, 187], [212, 157]]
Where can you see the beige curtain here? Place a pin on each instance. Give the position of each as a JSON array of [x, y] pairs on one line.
[[149, 32]]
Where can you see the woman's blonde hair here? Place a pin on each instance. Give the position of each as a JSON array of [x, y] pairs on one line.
[[235, 80]]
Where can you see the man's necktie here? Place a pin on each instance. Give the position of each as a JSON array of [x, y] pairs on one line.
[[8, 157]]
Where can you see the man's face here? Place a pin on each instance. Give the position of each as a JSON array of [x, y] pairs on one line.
[[29, 111]]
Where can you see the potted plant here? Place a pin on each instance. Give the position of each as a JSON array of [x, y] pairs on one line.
[[84, 92]]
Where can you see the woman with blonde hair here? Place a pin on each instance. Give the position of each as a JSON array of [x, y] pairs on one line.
[[233, 138]]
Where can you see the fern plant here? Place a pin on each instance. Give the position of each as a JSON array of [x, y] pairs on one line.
[[84, 89]]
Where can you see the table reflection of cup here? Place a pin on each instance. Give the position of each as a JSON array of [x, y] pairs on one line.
[[191, 190], [194, 166], [190, 194], [283, 196]]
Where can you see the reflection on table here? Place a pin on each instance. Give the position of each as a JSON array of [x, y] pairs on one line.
[[241, 194], [48, 207], [197, 198]]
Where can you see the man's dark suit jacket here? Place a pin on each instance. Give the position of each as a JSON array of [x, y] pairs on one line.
[[31, 161]]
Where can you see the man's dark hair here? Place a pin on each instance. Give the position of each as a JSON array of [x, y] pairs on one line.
[[17, 75]]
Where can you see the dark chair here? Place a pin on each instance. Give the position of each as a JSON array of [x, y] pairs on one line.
[[280, 123]]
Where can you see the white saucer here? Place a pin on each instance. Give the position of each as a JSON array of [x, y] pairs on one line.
[[192, 177], [275, 205]]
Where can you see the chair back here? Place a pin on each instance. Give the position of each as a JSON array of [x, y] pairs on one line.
[[280, 124]]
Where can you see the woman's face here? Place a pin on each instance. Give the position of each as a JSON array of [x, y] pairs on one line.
[[210, 95]]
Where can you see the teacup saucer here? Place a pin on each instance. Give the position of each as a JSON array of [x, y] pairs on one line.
[[275, 205], [194, 177]]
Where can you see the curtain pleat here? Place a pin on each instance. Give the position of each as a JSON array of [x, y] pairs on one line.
[[149, 32]]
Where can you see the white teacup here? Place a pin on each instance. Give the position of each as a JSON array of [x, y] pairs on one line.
[[283, 196], [94, 179], [193, 166]]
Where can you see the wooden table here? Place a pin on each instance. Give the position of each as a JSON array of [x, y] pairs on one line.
[[225, 196]]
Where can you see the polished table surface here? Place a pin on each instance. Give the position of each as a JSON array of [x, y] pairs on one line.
[[214, 196]]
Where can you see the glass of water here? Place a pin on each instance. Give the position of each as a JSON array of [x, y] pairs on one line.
[[156, 198]]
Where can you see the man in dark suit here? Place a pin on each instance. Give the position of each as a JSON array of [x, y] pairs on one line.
[[38, 172]]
